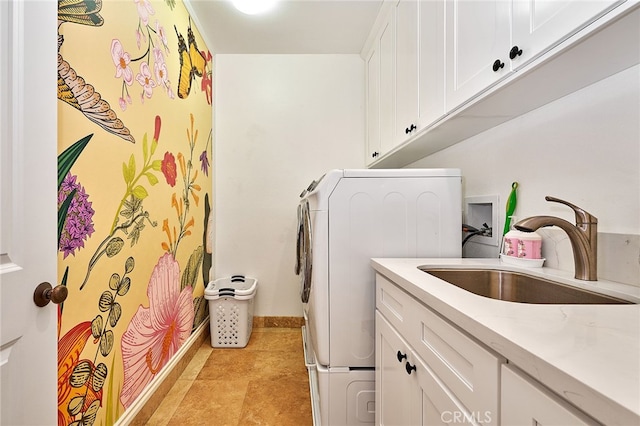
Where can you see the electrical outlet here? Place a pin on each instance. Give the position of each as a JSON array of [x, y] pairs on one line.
[[480, 210]]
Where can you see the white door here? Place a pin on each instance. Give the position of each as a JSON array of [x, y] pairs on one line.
[[28, 341]]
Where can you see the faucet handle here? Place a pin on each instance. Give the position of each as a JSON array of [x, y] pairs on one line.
[[582, 216]]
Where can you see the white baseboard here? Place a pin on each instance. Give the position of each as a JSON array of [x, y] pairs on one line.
[[129, 415]]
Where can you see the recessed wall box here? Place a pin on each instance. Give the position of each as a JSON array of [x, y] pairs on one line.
[[480, 210]]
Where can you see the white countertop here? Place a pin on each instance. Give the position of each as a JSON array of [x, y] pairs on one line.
[[588, 354]]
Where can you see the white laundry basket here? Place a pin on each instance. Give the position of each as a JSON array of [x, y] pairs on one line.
[[231, 310]]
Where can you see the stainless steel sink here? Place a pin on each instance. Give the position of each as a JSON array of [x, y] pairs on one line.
[[519, 287]]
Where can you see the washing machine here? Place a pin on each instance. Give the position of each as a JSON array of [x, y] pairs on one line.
[[345, 218]]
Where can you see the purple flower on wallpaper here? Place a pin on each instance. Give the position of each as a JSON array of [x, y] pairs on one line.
[[204, 163], [121, 59], [144, 10], [78, 224]]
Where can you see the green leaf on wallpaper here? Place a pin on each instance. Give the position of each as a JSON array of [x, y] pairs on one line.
[[75, 405], [190, 274], [206, 259], [80, 374], [106, 343], [151, 178], [114, 246], [69, 156], [65, 276], [62, 212], [111, 415], [139, 192], [156, 165], [145, 148], [114, 314], [132, 166], [154, 145], [99, 377], [125, 173], [200, 309]]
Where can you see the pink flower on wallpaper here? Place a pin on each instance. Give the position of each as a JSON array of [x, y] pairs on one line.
[[162, 35], [140, 37], [156, 333], [145, 80], [121, 60], [144, 10], [160, 68], [124, 101], [169, 169]]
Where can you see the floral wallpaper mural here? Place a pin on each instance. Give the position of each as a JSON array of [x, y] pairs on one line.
[[134, 198]]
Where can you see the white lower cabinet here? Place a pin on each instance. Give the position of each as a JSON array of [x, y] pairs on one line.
[[428, 372], [526, 402], [407, 391]]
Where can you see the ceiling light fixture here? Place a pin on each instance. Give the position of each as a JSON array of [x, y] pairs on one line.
[[254, 7]]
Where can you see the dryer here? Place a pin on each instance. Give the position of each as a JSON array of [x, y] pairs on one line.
[[345, 218]]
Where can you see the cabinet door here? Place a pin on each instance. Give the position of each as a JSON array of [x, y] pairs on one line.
[[431, 62], [525, 402], [419, 66], [395, 389], [407, 62], [540, 24], [387, 97], [437, 405], [478, 36], [373, 105], [407, 391], [470, 371]]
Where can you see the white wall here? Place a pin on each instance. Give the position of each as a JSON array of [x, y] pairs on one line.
[[280, 122], [584, 148]]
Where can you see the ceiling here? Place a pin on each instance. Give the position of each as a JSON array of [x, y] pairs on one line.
[[293, 26]]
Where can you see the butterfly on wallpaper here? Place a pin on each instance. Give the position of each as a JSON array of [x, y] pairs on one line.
[[72, 88], [192, 62], [85, 12]]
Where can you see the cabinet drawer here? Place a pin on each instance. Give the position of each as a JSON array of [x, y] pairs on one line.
[[471, 372], [525, 401], [394, 304]]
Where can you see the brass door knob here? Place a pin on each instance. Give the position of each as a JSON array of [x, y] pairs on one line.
[[44, 294]]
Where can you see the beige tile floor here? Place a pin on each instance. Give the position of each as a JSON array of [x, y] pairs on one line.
[[265, 383]]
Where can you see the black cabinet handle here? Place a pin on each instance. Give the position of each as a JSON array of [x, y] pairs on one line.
[[497, 65], [375, 154], [409, 367], [401, 356], [410, 129], [514, 52]]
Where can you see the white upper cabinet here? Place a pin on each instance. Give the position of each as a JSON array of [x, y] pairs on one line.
[[405, 71], [433, 64], [431, 73], [387, 77], [478, 41], [373, 105], [540, 24], [407, 63], [419, 66], [380, 96]]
